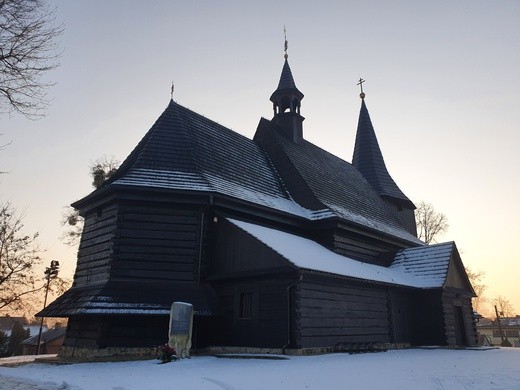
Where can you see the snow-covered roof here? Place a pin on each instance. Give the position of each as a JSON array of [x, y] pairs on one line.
[[307, 254], [121, 297], [184, 151], [318, 178], [426, 262], [48, 335]]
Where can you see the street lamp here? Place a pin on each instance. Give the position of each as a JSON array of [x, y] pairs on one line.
[[50, 273]]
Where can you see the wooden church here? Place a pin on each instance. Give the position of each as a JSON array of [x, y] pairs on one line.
[[276, 242]]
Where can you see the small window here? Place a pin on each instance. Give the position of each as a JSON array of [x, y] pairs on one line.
[[245, 309], [511, 333], [496, 333]]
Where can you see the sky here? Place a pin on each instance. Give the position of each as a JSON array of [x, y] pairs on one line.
[[396, 370], [442, 89]]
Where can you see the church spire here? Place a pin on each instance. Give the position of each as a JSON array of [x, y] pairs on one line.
[[368, 160], [287, 102]]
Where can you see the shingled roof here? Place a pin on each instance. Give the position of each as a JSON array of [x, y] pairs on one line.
[[368, 159], [309, 255], [186, 151], [122, 297], [319, 179], [433, 262]]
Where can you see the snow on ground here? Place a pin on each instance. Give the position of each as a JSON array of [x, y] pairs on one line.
[[403, 369]]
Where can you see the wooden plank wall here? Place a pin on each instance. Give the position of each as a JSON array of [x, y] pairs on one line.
[[450, 299], [116, 331], [334, 311], [267, 328], [237, 251], [135, 331], [156, 243], [427, 319], [83, 332], [400, 312], [96, 246], [361, 247]]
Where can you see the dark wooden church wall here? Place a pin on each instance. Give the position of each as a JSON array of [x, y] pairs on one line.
[[134, 331], [427, 318], [467, 334], [358, 246], [236, 265], [336, 311], [96, 246], [267, 327], [156, 243], [83, 332], [407, 218], [237, 251], [404, 214], [116, 331], [400, 315]]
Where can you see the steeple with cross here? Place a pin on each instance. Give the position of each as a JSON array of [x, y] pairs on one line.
[[287, 101], [369, 161], [286, 44], [360, 83]]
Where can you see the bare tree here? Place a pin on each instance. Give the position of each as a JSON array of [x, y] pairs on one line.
[[19, 262], [19, 255], [430, 223], [28, 50], [476, 279], [100, 170], [505, 308]]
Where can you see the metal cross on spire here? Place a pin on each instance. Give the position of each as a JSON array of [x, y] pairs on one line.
[[360, 83], [285, 43]]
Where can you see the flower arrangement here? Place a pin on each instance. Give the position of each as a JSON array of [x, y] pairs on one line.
[[166, 354]]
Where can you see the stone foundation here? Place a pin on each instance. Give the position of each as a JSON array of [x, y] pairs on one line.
[[68, 353]]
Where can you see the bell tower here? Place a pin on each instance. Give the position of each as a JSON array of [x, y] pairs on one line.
[[287, 102]]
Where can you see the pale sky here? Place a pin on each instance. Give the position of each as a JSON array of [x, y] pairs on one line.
[[442, 89]]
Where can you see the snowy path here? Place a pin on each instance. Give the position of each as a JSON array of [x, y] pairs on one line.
[[406, 369]]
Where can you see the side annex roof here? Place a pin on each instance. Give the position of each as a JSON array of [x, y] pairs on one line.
[[309, 255]]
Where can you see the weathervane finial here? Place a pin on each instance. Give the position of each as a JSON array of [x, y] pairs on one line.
[[173, 88], [360, 83], [285, 43]]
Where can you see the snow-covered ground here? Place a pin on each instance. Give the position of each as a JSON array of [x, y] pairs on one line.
[[403, 369]]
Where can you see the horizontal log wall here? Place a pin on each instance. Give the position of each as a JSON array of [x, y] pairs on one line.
[[357, 246], [449, 302], [238, 251], [427, 318], [268, 326], [116, 331], [83, 332], [96, 246], [332, 313], [156, 243]]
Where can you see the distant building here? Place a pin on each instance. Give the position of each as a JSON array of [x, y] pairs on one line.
[[276, 242], [51, 342], [509, 330]]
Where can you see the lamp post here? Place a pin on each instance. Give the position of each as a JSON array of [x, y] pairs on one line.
[[50, 273]]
